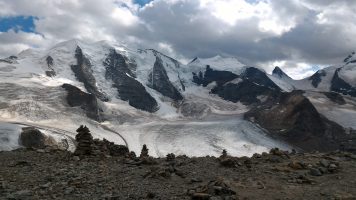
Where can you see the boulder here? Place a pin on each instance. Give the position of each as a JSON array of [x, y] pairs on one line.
[[31, 137]]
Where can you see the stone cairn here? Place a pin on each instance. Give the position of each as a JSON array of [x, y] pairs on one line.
[[85, 141], [144, 152]]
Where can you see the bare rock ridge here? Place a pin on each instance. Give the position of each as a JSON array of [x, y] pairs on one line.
[[317, 77], [247, 87], [295, 120], [9, 60], [87, 102], [158, 80], [335, 97], [84, 74], [280, 73], [128, 87], [50, 63], [341, 86], [211, 75]]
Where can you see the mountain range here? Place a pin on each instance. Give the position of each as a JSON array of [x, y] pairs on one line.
[[196, 109]]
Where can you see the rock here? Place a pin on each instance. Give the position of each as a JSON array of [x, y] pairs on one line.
[[332, 167], [324, 163], [150, 195], [32, 138], [294, 119], [86, 101], [41, 151], [216, 188], [159, 81], [69, 190], [195, 180], [76, 158], [323, 170], [228, 162], [315, 172], [200, 196], [296, 165], [170, 157], [119, 70], [84, 73], [23, 195]]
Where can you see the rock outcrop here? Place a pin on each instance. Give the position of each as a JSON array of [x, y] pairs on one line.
[[317, 77], [87, 102], [341, 86], [335, 97], [128, 87], [31, 137], [84, 74], [295, 120], [251, 87], [159, 81], [278, 72], [211, 75], [50, 63]]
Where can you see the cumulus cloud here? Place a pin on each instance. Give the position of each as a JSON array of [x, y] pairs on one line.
[[299, 35]]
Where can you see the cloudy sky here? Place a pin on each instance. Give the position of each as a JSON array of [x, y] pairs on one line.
[[300, 36]]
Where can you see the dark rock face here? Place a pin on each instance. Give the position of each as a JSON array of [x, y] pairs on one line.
[[295, 120], [317, 77], [211, 75], [84, 74], [278, 72], [259, 77], [348, 60], [246, 92], [31, 137], [335, 97], [50, 63], [159, 81], [252, 84], [340, 86], [9, 60], [128, 87], [87, 102]]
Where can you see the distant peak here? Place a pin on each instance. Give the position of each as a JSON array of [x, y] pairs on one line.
[[194, 60], [350, 58], [277, 71]]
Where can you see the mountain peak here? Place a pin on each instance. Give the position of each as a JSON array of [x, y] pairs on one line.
[[278, 72]]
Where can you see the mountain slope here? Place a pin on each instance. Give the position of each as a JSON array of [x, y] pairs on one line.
[[151, 98]]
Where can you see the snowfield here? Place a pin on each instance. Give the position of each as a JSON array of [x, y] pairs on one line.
[[203, 123]]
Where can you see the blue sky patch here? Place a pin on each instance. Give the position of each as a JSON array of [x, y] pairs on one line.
[[142, 2], [18, 23]]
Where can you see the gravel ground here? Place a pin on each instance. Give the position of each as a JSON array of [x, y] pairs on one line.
[[42, 174]]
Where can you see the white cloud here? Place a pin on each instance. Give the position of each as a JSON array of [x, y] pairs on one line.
[[314, 32]]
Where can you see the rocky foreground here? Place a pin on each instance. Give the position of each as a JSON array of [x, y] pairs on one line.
[[103, 170]]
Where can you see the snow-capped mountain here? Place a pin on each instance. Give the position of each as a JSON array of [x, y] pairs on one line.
[[150, 98]]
